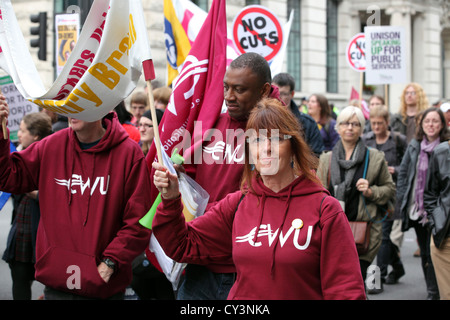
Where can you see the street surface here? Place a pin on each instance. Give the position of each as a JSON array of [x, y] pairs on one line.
[[410, 287]]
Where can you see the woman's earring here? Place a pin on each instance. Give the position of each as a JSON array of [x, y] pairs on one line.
[[292, 163], [252, 167]]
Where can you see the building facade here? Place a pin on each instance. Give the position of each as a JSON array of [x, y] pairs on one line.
[[320, 32]]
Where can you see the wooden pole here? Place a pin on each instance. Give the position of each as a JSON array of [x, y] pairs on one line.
[[156, 138], [361, 81], [5, 132], [386, 95]]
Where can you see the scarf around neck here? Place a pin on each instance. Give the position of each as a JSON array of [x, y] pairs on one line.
[[426, 148], [338, 161]]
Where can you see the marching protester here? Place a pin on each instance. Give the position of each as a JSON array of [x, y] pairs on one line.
[[436, 201], [247, 80], [21, 242], [393, 144], [280, 251], [374, 101], [162, 97], [138, 105], [148, 282], [445, 108], [319, 110], [146, 129], [286, 85], [91, 179], [411, 180], [413, 101], [359, 178], [125, 117]]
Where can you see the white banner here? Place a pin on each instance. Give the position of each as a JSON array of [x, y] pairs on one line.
[[102, 70], [385, 55]]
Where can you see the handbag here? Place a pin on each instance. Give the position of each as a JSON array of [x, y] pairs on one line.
[[361, 234], [361, 229]]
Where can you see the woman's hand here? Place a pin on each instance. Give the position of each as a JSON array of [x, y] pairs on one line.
[[164, 179], [363, 186], [4, 110]]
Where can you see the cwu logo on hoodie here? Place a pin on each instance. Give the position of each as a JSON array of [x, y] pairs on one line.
[[266, 231], [76, 184]]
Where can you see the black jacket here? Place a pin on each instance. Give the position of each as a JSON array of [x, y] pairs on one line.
[[310, 129], [406, 181], [436, 197]]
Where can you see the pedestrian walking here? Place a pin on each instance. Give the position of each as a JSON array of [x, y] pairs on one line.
[[280, 251]]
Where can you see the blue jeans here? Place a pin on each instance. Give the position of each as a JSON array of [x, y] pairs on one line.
[[202, 284]]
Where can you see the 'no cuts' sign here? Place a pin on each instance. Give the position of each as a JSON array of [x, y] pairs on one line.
[[256, 29], [356, 52]]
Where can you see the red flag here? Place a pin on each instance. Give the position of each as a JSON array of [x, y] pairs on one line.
[[354, 95], [198, 90]]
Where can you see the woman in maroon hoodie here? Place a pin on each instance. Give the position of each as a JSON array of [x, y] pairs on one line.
[[288, 238]]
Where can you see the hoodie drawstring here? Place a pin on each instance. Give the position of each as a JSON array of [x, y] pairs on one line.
[[261, 214], [286, 209]]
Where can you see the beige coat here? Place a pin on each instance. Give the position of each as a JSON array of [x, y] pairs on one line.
[[383, 188]]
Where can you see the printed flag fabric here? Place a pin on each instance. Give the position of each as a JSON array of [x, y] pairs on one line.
[[183, 20], [4, 196], [197, 95], [102, 70], [176, 29], [276, 64], [182, 23]]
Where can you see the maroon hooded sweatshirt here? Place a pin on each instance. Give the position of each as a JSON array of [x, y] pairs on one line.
[[276, 255], [91, 202]]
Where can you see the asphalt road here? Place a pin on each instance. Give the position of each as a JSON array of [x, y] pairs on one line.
[[410, 287]]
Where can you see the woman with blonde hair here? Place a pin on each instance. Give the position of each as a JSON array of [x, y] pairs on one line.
[[359, 178], [413, 101]]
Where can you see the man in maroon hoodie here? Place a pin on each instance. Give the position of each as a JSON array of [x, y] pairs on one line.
[[247, 80], [91, 180]]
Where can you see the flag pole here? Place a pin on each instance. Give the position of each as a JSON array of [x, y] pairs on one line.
[[5, 132], [149, 74]]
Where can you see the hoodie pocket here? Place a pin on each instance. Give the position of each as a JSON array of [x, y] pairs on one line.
[[72, 272]]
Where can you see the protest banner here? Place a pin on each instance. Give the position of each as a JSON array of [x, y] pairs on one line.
[[182, 23], [356, 52], [356, 57], [257, 29], [67, 28], [385, 54], [102, 70], [18, 106], [196, 83]]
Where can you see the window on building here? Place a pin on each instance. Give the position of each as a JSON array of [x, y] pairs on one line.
[[203, 4], [62, 6], [332, 46], [250, 2], [294, 57]]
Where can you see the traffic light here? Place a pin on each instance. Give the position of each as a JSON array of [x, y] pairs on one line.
[[41, 31]]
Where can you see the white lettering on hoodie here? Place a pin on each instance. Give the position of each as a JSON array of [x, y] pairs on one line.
[[77, 180], [265, 230]]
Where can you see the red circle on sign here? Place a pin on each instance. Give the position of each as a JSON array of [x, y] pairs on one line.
[[257, 9], [352, 42]]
